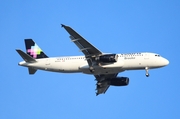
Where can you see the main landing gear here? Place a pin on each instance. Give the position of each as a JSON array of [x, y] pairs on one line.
[[91, 69], [147, 73]]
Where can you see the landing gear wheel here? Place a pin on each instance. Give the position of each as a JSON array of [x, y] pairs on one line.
[[147, 73], [91, 69]]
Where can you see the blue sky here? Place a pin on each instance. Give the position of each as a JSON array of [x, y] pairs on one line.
[[117, 26]]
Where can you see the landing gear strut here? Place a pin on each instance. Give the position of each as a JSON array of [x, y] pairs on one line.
[[147, 73]]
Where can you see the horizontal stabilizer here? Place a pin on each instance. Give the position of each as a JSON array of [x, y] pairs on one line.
[[32, 70], [25, 56]]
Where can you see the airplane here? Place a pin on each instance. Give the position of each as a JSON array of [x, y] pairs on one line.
[[104, 66]]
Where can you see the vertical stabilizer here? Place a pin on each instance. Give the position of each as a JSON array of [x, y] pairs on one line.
[[34, 50]]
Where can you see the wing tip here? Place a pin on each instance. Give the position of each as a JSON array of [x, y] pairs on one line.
[[62, 25]]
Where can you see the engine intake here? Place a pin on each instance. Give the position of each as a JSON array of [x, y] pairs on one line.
[[109, 58], [119, 81]]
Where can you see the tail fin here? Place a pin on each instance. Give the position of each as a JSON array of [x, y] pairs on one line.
[[34, 50]]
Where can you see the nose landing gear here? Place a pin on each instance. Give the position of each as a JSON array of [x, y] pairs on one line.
[[147, 73]]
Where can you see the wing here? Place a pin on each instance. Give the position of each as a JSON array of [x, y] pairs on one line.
[[90, 53], [103, 82], [88, 49]]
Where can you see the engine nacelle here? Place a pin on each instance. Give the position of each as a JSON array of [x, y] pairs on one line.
[[108, 58], [119, 81]]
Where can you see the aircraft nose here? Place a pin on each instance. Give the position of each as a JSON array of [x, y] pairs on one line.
[[165, 61]]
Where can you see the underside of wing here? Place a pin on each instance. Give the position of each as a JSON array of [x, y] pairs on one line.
[[103, 82], [102, 87]]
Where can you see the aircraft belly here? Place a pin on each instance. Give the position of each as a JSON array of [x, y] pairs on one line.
[[100, 69], [108, 71]]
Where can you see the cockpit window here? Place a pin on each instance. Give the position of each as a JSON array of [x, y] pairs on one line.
[[157, 55]]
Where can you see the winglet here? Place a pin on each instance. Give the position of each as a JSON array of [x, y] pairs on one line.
[[25, 56]]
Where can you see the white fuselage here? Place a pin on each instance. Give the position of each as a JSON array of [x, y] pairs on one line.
[[73, 64]]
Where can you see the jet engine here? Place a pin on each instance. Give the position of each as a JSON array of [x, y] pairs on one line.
[[108, 58], [119, 81]]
